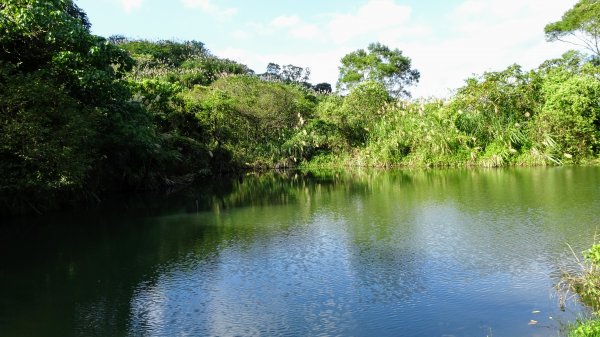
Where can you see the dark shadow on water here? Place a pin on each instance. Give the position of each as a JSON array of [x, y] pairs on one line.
[[359, 252]]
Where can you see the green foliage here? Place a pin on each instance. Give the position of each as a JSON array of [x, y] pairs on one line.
[[165, 52], [417, 134], [509, 117], [249, 118], [579, 25], [356, 114], [34, 30], [159, 98], [381, 64], [589, 328], [567, 126], [324, 88], [495, 106], [586, 284], [275, 106], [592, 256], [186, 63], [205, 70], [46, 136], [182, 138], [287, 74], [315, 138], [64, 106], [81, 115]]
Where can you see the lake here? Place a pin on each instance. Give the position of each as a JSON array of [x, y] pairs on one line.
[[364, 253]]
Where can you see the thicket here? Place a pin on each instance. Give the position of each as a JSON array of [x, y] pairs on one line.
[[584, 283], [81, 115]]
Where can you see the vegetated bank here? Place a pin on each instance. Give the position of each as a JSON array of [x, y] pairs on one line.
[[584, 283], [82, 116]]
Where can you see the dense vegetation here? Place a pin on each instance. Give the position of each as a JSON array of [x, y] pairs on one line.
[[81, 115], [585, 283]]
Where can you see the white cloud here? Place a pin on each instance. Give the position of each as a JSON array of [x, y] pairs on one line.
[[289, 24], [476, 36], [241, 35], [260, 29], [484, 35], [285, 21], [375, 16], [306, 32], [130, 5], [207, 6], [229, 12], [323, 65], [204, 5], [384, 17]]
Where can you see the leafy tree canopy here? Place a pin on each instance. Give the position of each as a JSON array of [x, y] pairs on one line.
[[288, 73], [381, 64], [580, 25], [167, 52], [323, 88]]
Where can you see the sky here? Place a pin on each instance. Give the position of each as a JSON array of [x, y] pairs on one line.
[[447, 40]]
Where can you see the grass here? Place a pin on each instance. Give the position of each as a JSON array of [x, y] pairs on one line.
[[584, 283], [590, 328]]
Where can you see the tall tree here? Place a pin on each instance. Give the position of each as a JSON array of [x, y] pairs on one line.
[[288, 73], [273, 71], [580, 25], [65, 115], [381, 64], [323, 88], [294, 74]]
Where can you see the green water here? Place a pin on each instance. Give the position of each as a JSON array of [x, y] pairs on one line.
[[374, 253]]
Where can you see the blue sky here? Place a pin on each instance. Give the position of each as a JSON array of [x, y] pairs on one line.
[[447, 40]]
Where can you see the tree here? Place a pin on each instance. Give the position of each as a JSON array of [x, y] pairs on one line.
[[294, 74], [324, 88], [288, 74], [273, 69], [66, 120], [164, 52], [568, 123], [580, 25], [356, 114], [381, 64]]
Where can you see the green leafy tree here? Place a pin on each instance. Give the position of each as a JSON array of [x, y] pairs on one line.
[[166, 52], [381, 64], [324, 88], [356, 114], [288, 73], [567, 126], [295, 74], [186, 63], [66, 119], [494, 106], [580, 25], [248, 119]]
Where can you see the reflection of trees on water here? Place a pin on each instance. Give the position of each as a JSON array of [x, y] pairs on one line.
[[481, 215], [83, 275]]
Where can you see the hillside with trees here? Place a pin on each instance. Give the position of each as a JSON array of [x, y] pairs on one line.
[[82, 116]]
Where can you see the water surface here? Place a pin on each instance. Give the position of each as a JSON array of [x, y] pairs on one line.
[[394, 253]]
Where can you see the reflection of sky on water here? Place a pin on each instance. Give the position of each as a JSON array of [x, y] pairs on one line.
[[398, 253], [364, 264], [256, 290]]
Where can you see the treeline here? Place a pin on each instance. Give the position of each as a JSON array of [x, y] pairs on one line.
[[81, 115]]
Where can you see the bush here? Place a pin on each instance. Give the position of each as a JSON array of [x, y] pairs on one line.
[[589, 328], [567, 126], [586, 282], [250, 118]]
